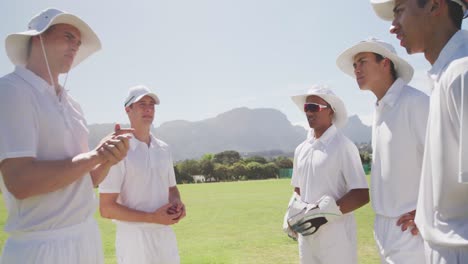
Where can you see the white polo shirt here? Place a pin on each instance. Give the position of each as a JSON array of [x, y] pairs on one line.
[[35, 122], [143, 178], [329, 165], [398, 133], [442, 212]]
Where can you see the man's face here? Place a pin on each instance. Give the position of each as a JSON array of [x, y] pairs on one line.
[[61, 45], [320, 120], [410, 25], [141, 113], [367, 70]]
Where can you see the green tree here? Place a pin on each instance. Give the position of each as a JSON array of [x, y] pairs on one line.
[[206, 168], [258, 159], [221, 172], [228, 157], [254, 170], [182, 177], [188, 168], [270, 170], [283, 162], [238, 170]]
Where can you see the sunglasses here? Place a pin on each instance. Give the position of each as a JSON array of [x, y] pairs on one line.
[[313, 107]]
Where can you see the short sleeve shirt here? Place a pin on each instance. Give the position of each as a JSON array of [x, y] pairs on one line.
[[37, 123], [329, 165], [442, 212], [143, 178], [398, 133]]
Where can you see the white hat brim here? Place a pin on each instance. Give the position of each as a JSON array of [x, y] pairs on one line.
[[16, 44], [152, 95], [340, 116], [383, 8], [346, 59]]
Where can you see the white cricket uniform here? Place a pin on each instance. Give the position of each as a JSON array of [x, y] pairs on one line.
[[398, 133], [57, 227], [142, 180], [442, 212], [329, 165]]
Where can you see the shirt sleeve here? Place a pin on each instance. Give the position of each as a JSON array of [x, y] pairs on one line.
[[114, 179], [19, 127], [352, 168], [462, 85], [295, 178], [171, 173], [418, 121]]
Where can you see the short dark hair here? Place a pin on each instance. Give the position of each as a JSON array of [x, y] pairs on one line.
[[454, 9], [379, 58]]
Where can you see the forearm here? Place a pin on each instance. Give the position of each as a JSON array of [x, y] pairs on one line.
[[27, 177], [353, 200], [100, 172], [120, 212], [174, 194]]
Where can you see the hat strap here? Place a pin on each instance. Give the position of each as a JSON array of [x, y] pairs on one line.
[[47, 61]]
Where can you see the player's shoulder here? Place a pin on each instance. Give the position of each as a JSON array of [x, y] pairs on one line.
[[161, 144]]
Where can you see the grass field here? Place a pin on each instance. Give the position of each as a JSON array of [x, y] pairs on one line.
[[236, 222]]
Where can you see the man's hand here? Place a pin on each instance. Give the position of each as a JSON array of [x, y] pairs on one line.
[[114, 147], [163, 217], [407, 221], [177, 209], [308, 221]]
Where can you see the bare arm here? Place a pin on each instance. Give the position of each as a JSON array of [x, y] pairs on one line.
[[109, 208], [27, 177], [297, 190], [353, 199], [178, 206], [115, 152]]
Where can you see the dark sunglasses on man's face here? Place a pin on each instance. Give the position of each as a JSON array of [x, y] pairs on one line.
[[313, 107]]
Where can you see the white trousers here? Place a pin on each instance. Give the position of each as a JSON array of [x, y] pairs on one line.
[[146, 244], [333, 243], [72, 245], [436, 254], [396, 246]]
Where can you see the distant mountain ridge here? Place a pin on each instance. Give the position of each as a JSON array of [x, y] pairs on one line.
[[245, 130]]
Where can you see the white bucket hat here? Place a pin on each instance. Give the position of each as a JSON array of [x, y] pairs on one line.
[[137, 92], [340, 117], [346, 59], [17, 44], [384, 8]]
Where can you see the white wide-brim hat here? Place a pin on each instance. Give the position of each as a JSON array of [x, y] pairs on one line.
[[346, 59], [340, 117], [135, 94], [384, 8], [16, 44]]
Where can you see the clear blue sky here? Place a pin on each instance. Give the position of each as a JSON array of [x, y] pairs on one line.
[[204, 57]]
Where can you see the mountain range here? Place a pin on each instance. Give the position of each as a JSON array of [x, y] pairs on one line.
[[248, 131]]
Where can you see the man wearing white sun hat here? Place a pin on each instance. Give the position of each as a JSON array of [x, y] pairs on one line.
[[398, 133], [329, 177], [433, 27], [47, 170]]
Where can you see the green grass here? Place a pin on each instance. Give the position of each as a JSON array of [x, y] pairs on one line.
[[236, 222]]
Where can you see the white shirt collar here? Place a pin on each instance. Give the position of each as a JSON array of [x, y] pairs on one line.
[[134, 143], [393, 93], [326, 137], [36, 81], [448, 54]]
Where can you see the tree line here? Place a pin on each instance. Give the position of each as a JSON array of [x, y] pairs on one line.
[[230, 166]]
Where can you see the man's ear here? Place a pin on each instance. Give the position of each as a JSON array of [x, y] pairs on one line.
[[436, 6]]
